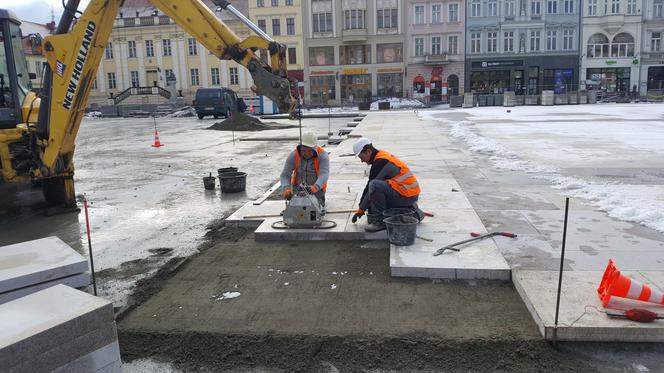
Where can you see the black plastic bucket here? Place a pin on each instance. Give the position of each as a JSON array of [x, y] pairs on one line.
[[223, 170], [233, 182], [400, 211], [208, 182], [401, 230]]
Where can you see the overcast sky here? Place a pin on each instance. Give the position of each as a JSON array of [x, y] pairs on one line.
[[38, 11]]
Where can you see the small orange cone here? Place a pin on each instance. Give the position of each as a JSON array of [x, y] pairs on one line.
[[616, 284], [157, 143]]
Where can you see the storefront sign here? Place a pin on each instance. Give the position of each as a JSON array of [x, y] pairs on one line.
[[354, 71], [322, 72], [490, 64], [392, 70], [611, 62]]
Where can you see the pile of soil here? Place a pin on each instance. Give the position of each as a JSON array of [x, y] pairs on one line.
[[243, 122]]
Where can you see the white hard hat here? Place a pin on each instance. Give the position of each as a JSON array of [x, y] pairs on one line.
[[309, 140], [360, 144]]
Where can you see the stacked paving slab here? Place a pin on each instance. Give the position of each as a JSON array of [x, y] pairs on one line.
[[59, 329], [31, 266]]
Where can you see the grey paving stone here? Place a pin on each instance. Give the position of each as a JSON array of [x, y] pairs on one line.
[[80, 280]]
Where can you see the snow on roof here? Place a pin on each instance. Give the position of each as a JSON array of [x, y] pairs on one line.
[[144, 8], [28, 28]]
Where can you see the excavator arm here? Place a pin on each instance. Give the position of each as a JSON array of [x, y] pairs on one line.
[[74, 57]]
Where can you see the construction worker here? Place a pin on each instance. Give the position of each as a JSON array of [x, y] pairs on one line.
[[309, 166], [391, 184]]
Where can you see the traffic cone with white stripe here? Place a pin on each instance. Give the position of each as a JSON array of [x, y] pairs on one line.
[[157, 143], [615, 284]]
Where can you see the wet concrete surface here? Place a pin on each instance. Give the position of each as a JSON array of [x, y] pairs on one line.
[[146, 200]]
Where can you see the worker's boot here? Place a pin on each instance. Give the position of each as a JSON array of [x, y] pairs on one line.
[[373, 227]]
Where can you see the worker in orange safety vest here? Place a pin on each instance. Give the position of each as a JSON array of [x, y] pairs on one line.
[[309, 166], [391, 184]]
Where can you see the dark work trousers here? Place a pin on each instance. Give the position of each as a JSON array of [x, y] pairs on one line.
[[383, 197]]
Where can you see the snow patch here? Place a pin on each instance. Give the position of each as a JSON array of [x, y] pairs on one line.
[[333, 286], [229, 295], [182, 113], [398, 103]]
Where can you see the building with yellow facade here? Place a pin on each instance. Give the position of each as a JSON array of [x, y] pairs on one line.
[[146, 48], [282, 20]]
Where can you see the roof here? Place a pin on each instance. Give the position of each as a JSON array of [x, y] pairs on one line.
[[28, 28], [145, 8]]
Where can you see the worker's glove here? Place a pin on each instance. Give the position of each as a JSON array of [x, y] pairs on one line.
[[358, 215], [288, 193], [313, 189]]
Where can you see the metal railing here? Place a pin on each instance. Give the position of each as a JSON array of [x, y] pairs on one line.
[[141, 91]]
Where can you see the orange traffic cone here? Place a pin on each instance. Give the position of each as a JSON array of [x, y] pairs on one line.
[[157, 143], [616, 284]]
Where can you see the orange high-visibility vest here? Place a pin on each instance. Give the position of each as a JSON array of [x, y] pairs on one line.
[[294, 178], [405, 182]]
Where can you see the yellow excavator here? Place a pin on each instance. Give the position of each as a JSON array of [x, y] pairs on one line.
[[38, 130]]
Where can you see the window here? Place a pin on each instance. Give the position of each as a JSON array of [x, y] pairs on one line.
[[552, 6], [475, 38], [387, 53], [276, 26], [419, 14], [453, 13], [568, 40], [193, 74], [260, 3], [435, 45], [111, 81], [322, 22], [657, 8], [508, 41], [166, 46], [568, 6], [149, 48], [275, 2], [290, 26], [419, 47], [436, 13], [655, 41], [135, 82], [262, 25], [214, 74], [168, 75], [453, 45], [536, 8], [622, 45], [535, 41], [289, 2], [109, 51], [615, 6], [234, 77], [598, 46], [321, 56], [292, 56], [354, 19], [131, 46], [354, 54], [192, 47], [509, 8], [592, 7], [551, 41], [631, 6], [492, 42], [492, 8], [387, 18], [475, 8]]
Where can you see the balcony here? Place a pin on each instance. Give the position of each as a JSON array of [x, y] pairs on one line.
[[436, 59], [359, 34]]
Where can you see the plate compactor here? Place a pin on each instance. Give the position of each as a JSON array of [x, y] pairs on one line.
[[303, 211]]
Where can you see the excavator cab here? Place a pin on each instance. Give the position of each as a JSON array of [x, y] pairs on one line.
[[14, 76]]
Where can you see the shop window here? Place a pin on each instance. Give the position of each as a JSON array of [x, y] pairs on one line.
[[418, 84], [356, 87], [497, 81], [386, 53], [354, 54], [322, 89], [656, 78], [390, 85], [321, 56]]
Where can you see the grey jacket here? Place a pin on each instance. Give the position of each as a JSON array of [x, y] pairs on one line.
[[307, 168]]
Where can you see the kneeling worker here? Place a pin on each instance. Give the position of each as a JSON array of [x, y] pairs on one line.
[[391, 184], [307, 165]]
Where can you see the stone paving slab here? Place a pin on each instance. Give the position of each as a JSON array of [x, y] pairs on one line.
[[80, 280], [478, 260], [342, 232], [33, 262], [580, 318], [104, 359]]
